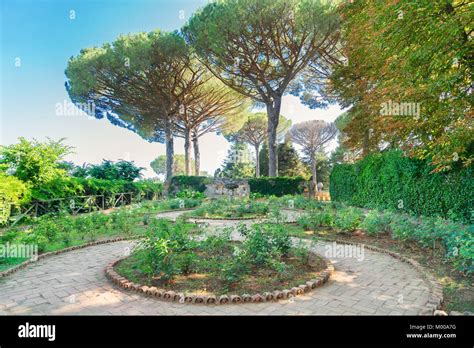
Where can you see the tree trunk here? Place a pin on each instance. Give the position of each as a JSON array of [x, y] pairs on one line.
[[197, 155], [169, 152], [314, 182], [273, 114], [187, 151], [257, 161], [313, 170]]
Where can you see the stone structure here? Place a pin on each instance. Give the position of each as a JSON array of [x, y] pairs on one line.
[[227, 188]]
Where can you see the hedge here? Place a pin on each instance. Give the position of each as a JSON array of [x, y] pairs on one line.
[[72, 186], [277, 186], [390, 180], [188, 182]]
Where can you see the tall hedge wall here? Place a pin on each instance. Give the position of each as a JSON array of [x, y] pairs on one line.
[[278, 186], [391, 181]]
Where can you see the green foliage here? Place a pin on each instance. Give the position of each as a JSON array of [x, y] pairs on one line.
[[179, 203], [278, 186], [12, 192], [120, 170], [322, 217], [237, 164], [223, 208], [391, 181], [289, 162], [190, 194], [179, 167], [348, 219], [33, 161], [265, 242], [163, 242], [376, 222], [147, 188], [190, 183], [296, 202], [70, 186], [408, 52]]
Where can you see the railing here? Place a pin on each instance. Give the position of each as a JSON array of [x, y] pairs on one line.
[[76, 204]]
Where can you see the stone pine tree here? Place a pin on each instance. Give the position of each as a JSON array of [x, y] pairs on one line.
[[210, 107], [138, 82], [254, 133], [312, 136], [258, 47]]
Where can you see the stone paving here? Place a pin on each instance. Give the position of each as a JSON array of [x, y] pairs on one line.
[[74, 283]]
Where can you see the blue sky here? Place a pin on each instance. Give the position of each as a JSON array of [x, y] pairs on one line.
[[37, 39]]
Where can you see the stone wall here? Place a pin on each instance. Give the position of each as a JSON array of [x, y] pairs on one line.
[[227, 188]]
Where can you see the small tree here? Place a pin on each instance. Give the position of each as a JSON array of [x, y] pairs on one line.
[[313, 136], [179, 165], [33, 161], [237, 164], [289, 163], [121, 170], [254, 132]]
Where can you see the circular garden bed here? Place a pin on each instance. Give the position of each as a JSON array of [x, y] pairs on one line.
[[219, 270]]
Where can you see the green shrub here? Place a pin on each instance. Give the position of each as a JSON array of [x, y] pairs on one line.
[[179, 203], [265, 242], [48, 227], [163, 240], [190, 194], [147, 188], [186, 182], [347, 219], [403, 227], [58, 188], [12, 192], [71, 186], [317, 218], [389, 180], [459, 244], [34, 238], [277, 186], [376, 222], [296, 202]]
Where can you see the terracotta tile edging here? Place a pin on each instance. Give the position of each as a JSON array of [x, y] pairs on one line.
[[436, 290], [212, 299]]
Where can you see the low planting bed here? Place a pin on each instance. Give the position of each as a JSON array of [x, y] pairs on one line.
[[217, 270]]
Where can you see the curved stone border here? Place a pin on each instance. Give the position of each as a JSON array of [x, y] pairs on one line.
[[436, 290], [212, 299], [60, 251]]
